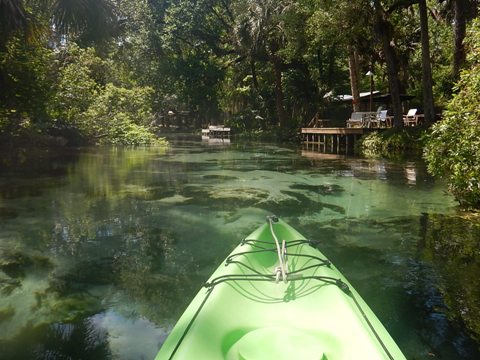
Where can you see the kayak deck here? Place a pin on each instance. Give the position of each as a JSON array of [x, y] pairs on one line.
[[271, 301]]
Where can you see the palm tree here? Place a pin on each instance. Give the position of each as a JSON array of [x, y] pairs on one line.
[[90, 20], [13, 19], [260, 32]]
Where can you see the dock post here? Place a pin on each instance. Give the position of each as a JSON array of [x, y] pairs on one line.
[[344, 137]]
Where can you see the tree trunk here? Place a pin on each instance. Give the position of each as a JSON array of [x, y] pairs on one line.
[[459, 29], [383, 30], [279, 97], [254, 73], [428, 105], [353, 67]]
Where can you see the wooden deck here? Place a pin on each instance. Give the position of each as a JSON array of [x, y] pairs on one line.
[[217, 132], [336, 139], [334, 131], [315, 155]]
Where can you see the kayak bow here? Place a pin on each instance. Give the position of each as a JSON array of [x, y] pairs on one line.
[[277, 297]]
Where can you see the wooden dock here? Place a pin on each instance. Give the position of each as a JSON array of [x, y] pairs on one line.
[[216, 132], [332, 139]]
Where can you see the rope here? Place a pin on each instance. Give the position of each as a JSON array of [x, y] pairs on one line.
[[281, 269], [384, 347], [322, 262], [345, 288], [179, 342]]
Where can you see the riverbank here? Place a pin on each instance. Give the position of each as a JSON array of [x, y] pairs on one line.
[[393, 143], [52, 138]]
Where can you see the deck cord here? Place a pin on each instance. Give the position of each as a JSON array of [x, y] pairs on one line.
[[179, 342], [281, 269], [257, 276]]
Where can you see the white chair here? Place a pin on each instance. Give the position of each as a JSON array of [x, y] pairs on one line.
[[381, 119], [411, 118], [356, 119]]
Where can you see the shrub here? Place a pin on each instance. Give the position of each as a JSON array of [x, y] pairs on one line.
[[391, 143], [77, 87], [453, 147], [119, 116], [100, 113]]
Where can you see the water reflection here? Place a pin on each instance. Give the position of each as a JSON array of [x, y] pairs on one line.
[[116, 244], [453, 245], [410, 173], [136, 338]]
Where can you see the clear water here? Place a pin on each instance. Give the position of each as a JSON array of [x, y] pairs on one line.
[[102, 249]]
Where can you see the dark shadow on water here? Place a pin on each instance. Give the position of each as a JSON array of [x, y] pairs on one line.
[[75, 340], [429, 285]]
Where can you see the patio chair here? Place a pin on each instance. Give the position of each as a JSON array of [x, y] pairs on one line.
[[371, 119], [383, 120], [356, 119], [411, 118]]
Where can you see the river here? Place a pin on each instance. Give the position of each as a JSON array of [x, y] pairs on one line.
[[101, 249]]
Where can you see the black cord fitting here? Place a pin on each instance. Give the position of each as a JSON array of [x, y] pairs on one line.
[[344, 287], [272, 218]]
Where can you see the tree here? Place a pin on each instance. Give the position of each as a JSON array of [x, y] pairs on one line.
[[86, 21], [458, 13], [354, 79], [192, 48], [14, 18], [343, 28], [89, 20], [26, 41], [428, 104], [384, 32], [262, 27], [100, 112], [427, 83], [26, 84], [346, 27]]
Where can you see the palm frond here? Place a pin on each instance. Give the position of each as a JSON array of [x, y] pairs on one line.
[[13, 17], [94, 17]]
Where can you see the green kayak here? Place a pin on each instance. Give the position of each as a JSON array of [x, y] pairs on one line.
[[276, 297]]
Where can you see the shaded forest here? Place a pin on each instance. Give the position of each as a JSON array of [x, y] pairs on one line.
[[111, 71]]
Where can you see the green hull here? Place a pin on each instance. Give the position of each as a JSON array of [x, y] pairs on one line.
[[244, 313]]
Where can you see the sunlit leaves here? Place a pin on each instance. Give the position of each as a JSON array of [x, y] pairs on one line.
[[453, 147], [102, 113]]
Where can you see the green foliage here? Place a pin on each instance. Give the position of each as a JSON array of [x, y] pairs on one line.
[[25, 82], [119, 116], [441, 46], [132, 58], [101, 114], [191, 49], [453, 147], [253, 64], [391, 143], [86, 21], [77, 88]]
